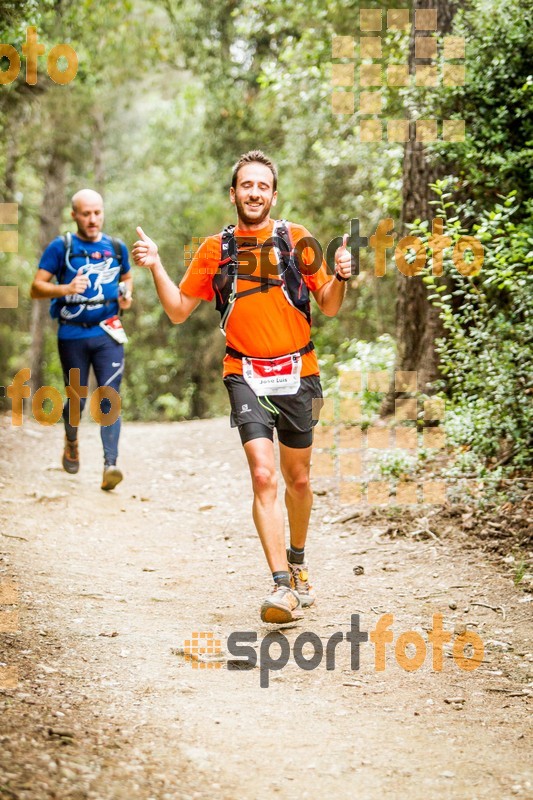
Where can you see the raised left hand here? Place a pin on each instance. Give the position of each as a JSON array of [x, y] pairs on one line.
[[343, 260]]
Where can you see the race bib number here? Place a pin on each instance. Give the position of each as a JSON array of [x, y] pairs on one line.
[[271, 376], [113, 326]]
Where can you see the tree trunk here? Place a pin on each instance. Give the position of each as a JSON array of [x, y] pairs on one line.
[[417, 321], [206, 372], [10, 173], [98, 150], [53, 203]]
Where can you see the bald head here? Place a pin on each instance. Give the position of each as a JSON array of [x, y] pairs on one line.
[[86, 196], [88, 213]]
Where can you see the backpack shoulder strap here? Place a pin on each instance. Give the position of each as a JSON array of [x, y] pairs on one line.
[[117, 247], [283, 230], [228, 246], [67, 242], [282, 233]]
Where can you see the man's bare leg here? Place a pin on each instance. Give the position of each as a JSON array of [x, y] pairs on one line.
[[296, 467], [266, 510], [283, 604]]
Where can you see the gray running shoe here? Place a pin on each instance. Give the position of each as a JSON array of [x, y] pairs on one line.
[[300, 583], [281, 605], [112, 477]]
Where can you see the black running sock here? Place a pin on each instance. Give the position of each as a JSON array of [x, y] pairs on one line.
[[282, 578], [296, 555]]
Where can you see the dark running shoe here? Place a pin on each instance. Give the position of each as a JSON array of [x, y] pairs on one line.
[[71, 458]]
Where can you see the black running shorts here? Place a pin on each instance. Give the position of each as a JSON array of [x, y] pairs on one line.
[[291, 415]]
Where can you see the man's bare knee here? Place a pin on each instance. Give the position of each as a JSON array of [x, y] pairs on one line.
[[299, 485], [264, 480]]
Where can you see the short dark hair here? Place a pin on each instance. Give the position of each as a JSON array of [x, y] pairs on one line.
[[249, 158]]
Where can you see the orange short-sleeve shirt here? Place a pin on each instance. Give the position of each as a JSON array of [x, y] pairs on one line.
[[262, 324]]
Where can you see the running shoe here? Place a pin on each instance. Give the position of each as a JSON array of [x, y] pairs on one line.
[[71, 458], [281, 605], [300, 583], [112, 477]]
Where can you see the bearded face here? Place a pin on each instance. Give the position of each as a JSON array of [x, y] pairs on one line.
[[254, 195]]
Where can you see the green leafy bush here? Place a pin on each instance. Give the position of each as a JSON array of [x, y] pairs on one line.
[[486, 354]]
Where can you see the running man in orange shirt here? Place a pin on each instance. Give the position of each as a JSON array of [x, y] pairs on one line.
[[261, 275]]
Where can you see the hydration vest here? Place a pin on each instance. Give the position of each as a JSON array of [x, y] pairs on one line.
[[67, 241], [57, 303], [289, 275]]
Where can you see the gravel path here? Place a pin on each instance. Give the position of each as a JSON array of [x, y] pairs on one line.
[[108, 587]]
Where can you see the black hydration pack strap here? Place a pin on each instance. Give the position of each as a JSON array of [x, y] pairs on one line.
[[230, 351], [67, 241], [118, 249], [265, 284]]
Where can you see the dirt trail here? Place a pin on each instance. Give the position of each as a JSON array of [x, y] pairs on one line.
[[112, 585]]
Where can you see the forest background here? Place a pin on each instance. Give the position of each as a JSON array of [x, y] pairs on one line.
[[169, 93]]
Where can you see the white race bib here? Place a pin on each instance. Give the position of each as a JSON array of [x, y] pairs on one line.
[[273, 376], [113, 326]]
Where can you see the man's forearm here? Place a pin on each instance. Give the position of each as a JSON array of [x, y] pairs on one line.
[[168, 293], [333, 297], [128, 286], [44, 290]]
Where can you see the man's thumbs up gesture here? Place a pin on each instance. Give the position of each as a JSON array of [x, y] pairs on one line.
[[144, 251], [343, 261]]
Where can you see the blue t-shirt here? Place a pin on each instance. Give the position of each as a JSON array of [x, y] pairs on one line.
[[99, 262]]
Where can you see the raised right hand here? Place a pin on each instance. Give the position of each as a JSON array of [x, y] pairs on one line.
[[144, 251], [78, 284]]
